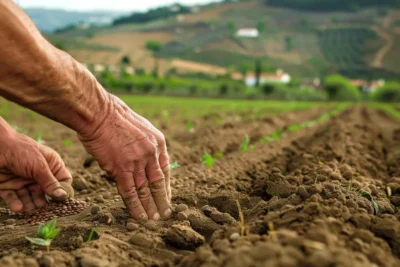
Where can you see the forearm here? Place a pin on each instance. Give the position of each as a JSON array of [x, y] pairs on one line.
[[35, 74]]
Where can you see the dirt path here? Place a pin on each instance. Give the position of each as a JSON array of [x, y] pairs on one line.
[[317, 197], [380, 55]]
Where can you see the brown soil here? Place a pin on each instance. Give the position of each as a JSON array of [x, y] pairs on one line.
[[323, 196]]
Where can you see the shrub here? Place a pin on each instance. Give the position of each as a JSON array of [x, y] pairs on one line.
[[267, 88], [339, 88], [390, 92], [223, 89]]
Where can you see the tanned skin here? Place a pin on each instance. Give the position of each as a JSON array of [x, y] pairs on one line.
[[37, 75]]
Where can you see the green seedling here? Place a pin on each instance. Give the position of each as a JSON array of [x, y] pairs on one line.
[[208, 160], [190, 126], [46, 233], [294, 128], [219, 155], [245, 144], [67, 142], [174, 165], [373, 202], [218, 121], [39, 139], [94, 234], [272, 137]]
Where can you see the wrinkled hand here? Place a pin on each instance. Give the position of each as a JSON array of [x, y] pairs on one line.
[[133, 152], [28, 171]]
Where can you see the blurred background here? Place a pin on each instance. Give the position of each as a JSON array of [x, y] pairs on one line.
[[304, 50]]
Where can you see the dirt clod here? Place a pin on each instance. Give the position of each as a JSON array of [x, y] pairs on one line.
[[184, 237]]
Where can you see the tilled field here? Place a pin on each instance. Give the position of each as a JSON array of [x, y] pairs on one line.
[[326, 195]]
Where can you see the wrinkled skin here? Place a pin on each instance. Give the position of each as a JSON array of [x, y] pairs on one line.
[[28, 171], [38, 76], [134, 152]]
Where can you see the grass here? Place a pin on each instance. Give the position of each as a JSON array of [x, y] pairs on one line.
[[196, 107], [388, 108]]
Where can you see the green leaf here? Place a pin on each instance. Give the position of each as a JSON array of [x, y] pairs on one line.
[[94, 234], [53, 234], [38, 241], [208, 160], [219, 155], [245, 144], [40, 231], [174, 165], [366, 195], [50, 226], [375, 206]]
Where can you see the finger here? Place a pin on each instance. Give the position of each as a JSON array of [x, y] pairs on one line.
[[56, 164], [11, 182], [144, 192], [164, 163], [12, 200], [45, 178], [157, 186], [127, 189], [25, 197], [37, 195]]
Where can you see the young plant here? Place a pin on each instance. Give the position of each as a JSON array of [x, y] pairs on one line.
[[46, 233], [373, 202], [245, 144], [219, 155], [94, 234], [174, 165], [190, 126], [39, 139], [208, 160], [67, 142], [273, 137]]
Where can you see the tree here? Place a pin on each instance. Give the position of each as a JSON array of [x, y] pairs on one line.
[[339, 88], [258, 71], [154, 47], [289, 43], [231, 26], [126, 60], [261, 26]]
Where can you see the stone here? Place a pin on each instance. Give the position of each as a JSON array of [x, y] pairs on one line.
[[9, 221], [95, 209], [181, 207], [130, 226], [99, 199], [183, 237], [47, 261], [182, 216], [80, 183], [234, 237], [150, 225]]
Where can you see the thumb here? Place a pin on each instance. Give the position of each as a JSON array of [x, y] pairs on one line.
[[42, 174]]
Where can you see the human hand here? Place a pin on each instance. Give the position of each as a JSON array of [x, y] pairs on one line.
[[28, 171], [133, 152]]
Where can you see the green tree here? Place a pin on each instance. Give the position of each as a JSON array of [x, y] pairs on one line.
[[231, 26], [339, 88], [154, 47], [390, 92], [261, 26], [258, 71], [126, 60]]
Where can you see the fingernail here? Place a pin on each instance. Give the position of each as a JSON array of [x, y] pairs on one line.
[[59, 192], [156, 216], [167, 213], [142, 216]]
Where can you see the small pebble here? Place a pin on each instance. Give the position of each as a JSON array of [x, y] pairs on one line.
[[181, 207], [182, 216], [234, 237], [151, 225], [131, 226], [99, 199], [95, 209], [9, 221]]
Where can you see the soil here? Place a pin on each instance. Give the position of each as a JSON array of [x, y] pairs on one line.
[[327, 195]]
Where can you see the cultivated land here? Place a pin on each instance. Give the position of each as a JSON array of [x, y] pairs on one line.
[[361, 43], [320, 187]]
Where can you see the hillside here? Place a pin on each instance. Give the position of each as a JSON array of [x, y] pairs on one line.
[[48, 20], [360, 43]]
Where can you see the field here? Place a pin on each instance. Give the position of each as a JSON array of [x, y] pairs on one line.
[[316, 185]]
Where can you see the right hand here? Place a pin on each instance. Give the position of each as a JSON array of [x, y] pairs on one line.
[[133, 152]]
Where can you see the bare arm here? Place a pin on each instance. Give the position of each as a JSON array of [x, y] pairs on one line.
[[37, 75]]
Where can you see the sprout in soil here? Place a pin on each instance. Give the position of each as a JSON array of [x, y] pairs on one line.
[[219, 155], [208, 160], [245, 144], [373, 202], [46, 233], [39, 139], [67, 142], [94, 235], [174, 165], [190, 126]]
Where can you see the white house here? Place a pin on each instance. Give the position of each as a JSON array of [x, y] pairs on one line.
[[278, 77], [248, 33]]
